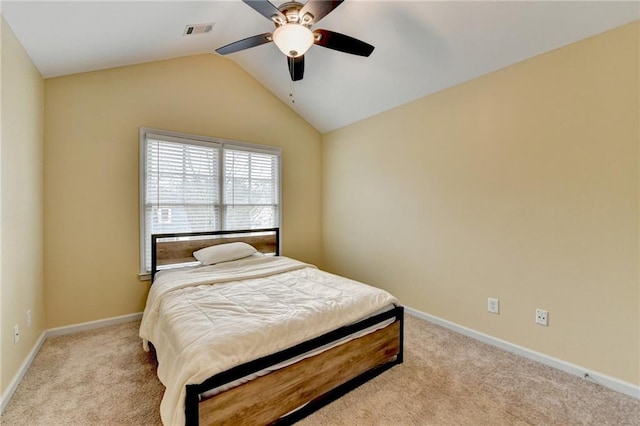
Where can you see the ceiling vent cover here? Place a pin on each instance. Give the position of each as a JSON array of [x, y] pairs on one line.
[[198, 29]]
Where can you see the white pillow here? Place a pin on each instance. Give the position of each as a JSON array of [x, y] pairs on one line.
[[223, 253]]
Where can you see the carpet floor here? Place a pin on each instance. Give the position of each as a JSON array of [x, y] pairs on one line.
[[103, 377]]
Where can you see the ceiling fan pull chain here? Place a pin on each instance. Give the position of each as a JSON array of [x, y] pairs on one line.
[[291, 87]]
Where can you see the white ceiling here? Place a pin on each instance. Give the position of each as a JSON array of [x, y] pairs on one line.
[[421, 46]]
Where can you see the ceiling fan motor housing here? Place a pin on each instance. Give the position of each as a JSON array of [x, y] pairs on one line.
[[291, 10]]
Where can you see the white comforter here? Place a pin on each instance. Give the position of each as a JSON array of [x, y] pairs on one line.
[[205, 320]]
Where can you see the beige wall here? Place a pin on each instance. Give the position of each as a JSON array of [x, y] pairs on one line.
[[91, 170], [21, 277], [520, 185]]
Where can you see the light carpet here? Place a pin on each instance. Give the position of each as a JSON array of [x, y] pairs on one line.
[[103, 377]]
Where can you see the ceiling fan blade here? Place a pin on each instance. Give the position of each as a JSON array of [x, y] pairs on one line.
[[319, 8], [246, 43], [266, 9], [342, 43], [296, 67]]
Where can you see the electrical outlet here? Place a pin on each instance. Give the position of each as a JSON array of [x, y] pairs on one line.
[[493, 305], [542, 317], [16, 334], [29, 318]]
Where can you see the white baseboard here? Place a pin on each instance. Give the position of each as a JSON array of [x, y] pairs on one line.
[[21, 372], [576, 370], [59, 331], [70, 329]]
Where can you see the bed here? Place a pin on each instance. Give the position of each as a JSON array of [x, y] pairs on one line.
[[290, 362]]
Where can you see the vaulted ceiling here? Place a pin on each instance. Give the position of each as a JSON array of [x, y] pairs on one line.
[[421, 47]]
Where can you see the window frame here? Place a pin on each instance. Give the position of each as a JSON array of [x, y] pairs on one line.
[[221, 145]]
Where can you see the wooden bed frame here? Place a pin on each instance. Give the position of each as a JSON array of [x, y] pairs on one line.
[[310, 383]]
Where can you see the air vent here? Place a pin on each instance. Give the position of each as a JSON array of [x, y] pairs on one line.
[[198, 29]]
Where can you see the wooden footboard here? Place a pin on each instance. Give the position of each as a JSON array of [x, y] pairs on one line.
[[319, 379]]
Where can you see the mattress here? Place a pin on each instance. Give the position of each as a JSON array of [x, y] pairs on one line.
[[205, 320]]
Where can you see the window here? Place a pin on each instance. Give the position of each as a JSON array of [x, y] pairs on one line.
[[193, 183]]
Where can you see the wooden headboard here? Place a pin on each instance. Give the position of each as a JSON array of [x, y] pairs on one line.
[[178, 248]]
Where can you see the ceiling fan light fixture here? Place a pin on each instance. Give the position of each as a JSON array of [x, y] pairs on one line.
[[293, 39]]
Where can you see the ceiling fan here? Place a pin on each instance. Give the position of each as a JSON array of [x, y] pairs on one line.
[[293, 34]]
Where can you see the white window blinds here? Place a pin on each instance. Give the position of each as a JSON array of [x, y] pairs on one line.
[[192, 184], [250, 189]]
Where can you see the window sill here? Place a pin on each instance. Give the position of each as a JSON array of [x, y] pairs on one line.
[[145, 277]]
